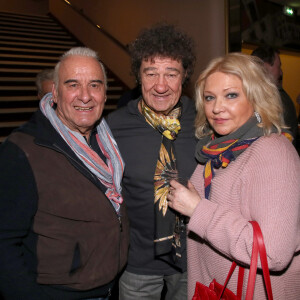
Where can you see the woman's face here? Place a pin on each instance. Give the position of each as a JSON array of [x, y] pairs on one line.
[[225, 104]]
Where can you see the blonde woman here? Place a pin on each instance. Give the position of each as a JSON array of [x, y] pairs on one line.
[[248, 170]]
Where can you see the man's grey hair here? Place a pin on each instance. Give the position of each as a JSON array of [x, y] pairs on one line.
[[79, 51], [46, 74]]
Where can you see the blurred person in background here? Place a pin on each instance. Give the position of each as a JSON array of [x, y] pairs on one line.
[[272, 63], [44, 82]]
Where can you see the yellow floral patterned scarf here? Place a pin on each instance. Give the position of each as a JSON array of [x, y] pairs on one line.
[[167, 240]]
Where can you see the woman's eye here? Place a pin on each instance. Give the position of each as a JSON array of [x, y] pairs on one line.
[[208, 98], [231, 95]]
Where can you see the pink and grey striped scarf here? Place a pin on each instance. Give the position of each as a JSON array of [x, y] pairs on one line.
[[110, 174]]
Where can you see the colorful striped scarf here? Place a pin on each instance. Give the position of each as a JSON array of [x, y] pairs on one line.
[[110, 174], [219, 152], [221, 155]]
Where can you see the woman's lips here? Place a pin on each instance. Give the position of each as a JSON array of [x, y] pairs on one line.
[[220, 121]]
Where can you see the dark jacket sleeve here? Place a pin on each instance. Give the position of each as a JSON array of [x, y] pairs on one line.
[[18, 203]]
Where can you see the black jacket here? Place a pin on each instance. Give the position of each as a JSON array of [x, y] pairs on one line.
[[60, 237], [139, 145]]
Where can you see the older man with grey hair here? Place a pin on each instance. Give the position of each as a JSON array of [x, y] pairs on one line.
[[63, 224]]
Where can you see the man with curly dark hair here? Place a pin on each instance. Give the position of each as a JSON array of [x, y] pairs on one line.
[[155, 134]]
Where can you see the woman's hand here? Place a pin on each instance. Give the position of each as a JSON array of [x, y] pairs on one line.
[[182, 199]]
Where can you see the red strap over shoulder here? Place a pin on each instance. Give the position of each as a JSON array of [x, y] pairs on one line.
[[258, 246]]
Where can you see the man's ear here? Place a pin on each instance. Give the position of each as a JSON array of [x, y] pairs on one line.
[[54, 93]]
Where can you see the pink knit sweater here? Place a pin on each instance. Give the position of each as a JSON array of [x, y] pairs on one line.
[[262, 184]]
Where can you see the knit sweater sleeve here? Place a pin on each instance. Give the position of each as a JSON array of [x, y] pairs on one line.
[[18, 201], [267, 191]]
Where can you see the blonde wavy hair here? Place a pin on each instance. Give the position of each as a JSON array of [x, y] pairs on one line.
[[258, 87]]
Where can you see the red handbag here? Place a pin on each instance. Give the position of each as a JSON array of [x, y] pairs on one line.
[[216, 291]]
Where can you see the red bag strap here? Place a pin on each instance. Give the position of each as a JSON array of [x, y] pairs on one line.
[[253, 269], [258, 246], [263, 259], [240, 281], [232, 268]]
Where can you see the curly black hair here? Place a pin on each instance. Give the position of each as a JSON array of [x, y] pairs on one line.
[[163, 40]]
